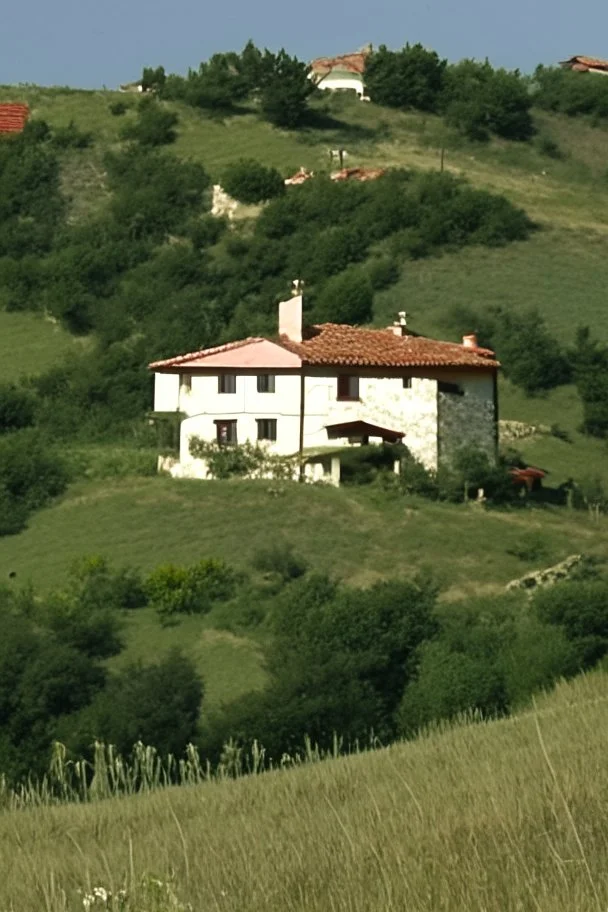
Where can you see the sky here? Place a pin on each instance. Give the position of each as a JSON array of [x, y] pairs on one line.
[[96, 43]]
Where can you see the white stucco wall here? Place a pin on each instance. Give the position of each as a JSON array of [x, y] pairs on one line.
[[420, 412], [335, 83]]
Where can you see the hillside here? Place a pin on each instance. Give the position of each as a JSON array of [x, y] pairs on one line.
[[498, 817]]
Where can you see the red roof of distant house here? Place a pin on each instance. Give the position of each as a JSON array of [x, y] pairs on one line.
[[359, 174], [349, 346], [582, 63], [352, 63], [13, 117]]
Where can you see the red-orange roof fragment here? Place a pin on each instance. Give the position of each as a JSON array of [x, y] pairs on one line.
[[13, 117], [582, 64], [352, 63], [359, 174], [342, 344]]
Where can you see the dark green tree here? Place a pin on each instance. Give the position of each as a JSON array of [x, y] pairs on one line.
[[251, 182], [285, 89], [409, 78]]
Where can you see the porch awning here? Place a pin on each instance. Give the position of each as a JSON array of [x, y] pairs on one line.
[[362, 429]]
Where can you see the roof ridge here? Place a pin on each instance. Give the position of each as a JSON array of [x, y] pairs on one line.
[[204, 352]]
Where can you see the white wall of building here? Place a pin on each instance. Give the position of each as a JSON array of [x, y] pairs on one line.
[[335, 83], [435, 424]]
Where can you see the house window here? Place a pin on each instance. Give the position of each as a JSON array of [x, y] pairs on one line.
[[452, 388], [226, 432], [348, 387], [226, 383], [267, 428], [266, 383], [185, 381], [407, 383]]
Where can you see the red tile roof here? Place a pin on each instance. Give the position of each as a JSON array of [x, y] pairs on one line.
[[342, 345], [359, 174], [352, 63], [580, 62], [13, 117]]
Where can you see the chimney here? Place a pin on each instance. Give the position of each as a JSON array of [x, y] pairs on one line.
[[399, 327], [290, 314], [470, 341]]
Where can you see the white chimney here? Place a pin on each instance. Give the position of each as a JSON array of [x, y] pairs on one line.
[[399, 327], [470, 341], [290, 314]]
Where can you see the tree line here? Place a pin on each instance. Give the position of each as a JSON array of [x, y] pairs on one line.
[[386, 659]]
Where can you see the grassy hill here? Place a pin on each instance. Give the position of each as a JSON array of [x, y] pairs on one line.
[[495, 817], [562, 271]]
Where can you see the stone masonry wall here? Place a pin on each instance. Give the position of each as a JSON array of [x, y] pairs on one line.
[[467, 420]]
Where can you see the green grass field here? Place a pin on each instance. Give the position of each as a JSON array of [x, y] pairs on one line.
[[357, 534], [506, 816], [30, 345]]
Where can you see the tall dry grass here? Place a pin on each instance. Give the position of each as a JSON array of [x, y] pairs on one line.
[[495, 817]]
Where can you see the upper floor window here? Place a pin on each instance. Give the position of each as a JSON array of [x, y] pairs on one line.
[[185, 381], [407, 383], [267, 428], [226, 432], [266, 383], [348, 387], [452, 388], [226, 383]]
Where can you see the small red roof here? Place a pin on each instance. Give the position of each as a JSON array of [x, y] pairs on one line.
[[13, 117], [352, 63], [342, 345], [582, 63]]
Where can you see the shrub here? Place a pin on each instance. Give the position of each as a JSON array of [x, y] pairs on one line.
[[251, 182], [157, 704], [281, 560], [31, 473], [155, 125], [409, 78], [581, 610], [247, 460], [17, 408], [345, 298], [479, 101], [190, 590], [285, 89], [71, 137], [118, 108], [550, 148]]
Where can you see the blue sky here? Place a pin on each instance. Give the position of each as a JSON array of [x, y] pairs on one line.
[[91, 43]]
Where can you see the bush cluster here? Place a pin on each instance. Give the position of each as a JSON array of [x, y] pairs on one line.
[[474, 97], [250, 182]]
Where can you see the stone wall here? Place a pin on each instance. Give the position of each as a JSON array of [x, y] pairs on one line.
[[467, 420]]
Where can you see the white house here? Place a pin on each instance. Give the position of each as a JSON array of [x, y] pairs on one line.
[[315, 389], [343, 72]]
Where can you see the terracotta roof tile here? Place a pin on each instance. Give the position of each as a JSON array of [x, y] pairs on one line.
[[352, 63], [587, 62], [13, 117], [341, 344]]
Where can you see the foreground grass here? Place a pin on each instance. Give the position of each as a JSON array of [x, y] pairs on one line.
[[496, 817]]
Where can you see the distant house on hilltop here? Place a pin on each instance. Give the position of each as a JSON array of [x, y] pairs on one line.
[[343, 72], [13, 117], [580, 64], [311, 390]]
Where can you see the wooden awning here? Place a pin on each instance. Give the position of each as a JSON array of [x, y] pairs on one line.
[[362, 429]]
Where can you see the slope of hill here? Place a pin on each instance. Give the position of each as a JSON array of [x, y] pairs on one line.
[[498, 817]]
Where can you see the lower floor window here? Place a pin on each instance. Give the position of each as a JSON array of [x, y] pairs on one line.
[[267, 428], [226, 432]]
